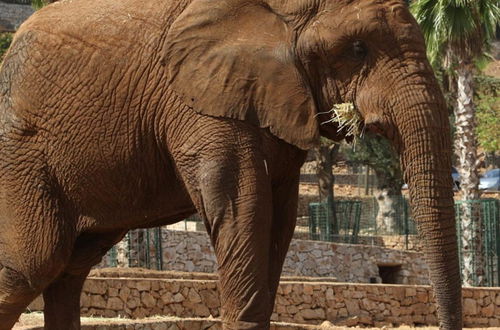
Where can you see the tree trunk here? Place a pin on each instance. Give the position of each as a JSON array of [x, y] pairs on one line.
[[325, 157], [122, 251], [389, 199], [466, 151]]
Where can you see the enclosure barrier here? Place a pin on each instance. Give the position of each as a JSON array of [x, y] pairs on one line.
[[478, 222], [143, 247], [335, 222]]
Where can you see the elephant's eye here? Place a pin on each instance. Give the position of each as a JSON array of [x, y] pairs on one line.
[[359, 50]]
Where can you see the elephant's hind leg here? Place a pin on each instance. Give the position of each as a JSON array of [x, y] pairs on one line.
[[36, 239], [62, 296]]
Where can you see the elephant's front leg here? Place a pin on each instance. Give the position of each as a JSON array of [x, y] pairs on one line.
[[237, 207], [231, 190]]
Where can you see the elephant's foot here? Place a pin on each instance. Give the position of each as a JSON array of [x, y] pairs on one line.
[[242, 325]]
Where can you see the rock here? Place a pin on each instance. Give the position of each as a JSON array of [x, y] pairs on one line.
[[178, 297], [139, 313], [93, 286], [133, 303], [470, 306], [201, 310], [312, 314], [308, 289], [148, 300], [193, 296], [97, 301], [494, 322], [422, 297], [329, 294], [124, 293], [143, 285], [112, 292], [292, 309], [167, 298], [287, 289], [420, 309], [488, 311], [84, 300], [467, 293], [368, 304], [352, 307], [114, 303], [410, 292], [210, 298]]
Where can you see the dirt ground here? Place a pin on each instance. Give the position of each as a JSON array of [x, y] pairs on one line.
[[351, 191], [35, 321]]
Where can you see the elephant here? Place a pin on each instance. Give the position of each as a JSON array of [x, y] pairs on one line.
[[117, 115]]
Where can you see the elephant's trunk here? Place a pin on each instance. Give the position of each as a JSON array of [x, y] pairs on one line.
[[425, 147]]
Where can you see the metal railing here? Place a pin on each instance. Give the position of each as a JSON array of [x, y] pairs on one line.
[[478, 229], [335, 223], [17, 2]]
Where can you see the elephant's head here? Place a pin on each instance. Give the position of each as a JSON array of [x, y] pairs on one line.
[[282, 63]]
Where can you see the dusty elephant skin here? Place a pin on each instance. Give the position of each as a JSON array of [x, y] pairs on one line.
[[123, 114]]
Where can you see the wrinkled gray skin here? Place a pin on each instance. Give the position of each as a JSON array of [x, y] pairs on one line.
[[124, 114]]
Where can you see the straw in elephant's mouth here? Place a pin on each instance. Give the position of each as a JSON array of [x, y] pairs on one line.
[[348, 119]]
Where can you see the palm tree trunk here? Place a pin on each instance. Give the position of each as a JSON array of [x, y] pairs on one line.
[[466, 151]]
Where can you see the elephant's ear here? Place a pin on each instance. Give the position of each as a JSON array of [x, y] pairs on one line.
[[234, 59]]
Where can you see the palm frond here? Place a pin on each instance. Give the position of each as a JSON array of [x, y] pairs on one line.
[[459, 28]]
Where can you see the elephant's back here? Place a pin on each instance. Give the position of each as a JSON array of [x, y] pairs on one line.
[[77, 84], [99, 20], [79, 52]]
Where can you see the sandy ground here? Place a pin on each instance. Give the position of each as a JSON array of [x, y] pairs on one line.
[[35, 320]]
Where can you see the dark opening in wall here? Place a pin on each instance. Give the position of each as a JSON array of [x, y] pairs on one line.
[[390, 274]]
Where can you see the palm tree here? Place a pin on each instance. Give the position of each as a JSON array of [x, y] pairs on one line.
[[457, 33]]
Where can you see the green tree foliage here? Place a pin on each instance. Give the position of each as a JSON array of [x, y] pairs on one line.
[[37, 4], [377, 152], [5, 40], [456, 29], [488, 113]]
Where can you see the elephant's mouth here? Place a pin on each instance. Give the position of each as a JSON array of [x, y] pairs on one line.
[[346, 118]]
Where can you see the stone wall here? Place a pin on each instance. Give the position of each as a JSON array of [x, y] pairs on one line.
[[296, 302], [192, 252]]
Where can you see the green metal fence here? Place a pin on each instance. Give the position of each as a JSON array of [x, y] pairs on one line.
[[339, 223], [480, 245], [486, 248], [140, 248]]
